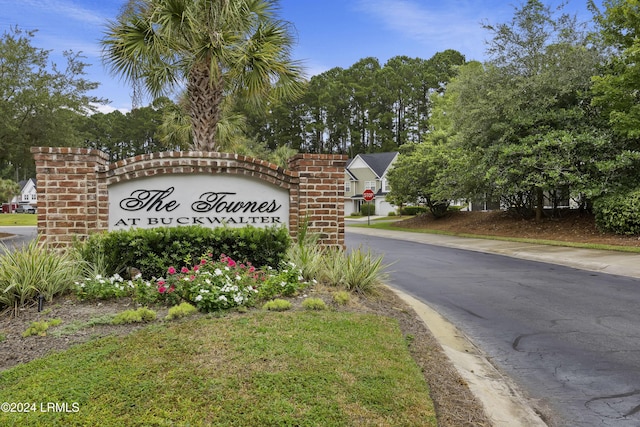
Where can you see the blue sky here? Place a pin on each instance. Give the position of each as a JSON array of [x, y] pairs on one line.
[[329, 33]]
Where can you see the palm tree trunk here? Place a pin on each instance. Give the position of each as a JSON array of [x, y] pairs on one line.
[[205, 99]]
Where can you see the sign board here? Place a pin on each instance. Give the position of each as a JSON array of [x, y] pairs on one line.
[[368, 195], [205, 200]]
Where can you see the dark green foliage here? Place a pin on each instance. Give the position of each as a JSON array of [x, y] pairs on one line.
[[152, 250], [413, 210], [619, 212], [368, 209]]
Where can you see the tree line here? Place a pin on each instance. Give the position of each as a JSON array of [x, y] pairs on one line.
[[552, 114]]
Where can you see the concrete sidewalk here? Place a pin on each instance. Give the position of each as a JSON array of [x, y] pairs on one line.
[[504, 403]]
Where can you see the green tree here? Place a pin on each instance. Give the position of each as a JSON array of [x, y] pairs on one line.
[[126, 135], [414, 175], [218, 48], [40, 104], [8, 190], [524, 111], [616, 93]]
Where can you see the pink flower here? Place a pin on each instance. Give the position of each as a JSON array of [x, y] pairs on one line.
[[203, 261], [252, 269], [171, 289], [171, 270], [242, 266], [162, 289], [192, 278], [196, 267], [161, 282], [231, 263], [184, 270]]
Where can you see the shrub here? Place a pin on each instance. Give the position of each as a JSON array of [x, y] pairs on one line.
[[314, 304], [34, 270], [277, 305], [225, 283], [102, 288], [183, 310], [392, 213], [308, 257], [341, 297], [333, 265], [40, 327], [413, 210], [140, 315], [363, 272], [367, 209], [3, 337], [619, 212], [286, 281], [152, 250]]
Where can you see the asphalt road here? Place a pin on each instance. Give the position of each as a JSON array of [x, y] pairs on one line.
[[570, 338], [21, 236]]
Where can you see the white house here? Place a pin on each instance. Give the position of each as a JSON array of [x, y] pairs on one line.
[[28, 193], [368, 171]]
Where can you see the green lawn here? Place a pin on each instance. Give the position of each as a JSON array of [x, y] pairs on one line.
[[18, 219], [256, 369]]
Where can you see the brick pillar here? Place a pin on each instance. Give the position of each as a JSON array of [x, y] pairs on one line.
[[321, 194], [71, 200]]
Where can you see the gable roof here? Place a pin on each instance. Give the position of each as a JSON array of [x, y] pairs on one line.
[[22, 184], [377, 162]]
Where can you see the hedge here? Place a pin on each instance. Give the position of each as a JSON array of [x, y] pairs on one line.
[[152, 250], [618, 212]]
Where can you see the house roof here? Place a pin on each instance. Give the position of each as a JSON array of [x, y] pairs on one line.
[[24, 182], [378, 162]]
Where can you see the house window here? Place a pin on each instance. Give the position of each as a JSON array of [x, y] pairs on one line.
[[370, 185], [385, 186], [347, 186], [34, 196]]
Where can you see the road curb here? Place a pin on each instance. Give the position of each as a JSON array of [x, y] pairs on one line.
[[503, 402]]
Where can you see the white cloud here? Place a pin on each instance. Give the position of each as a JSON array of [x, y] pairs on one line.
[[65, 8], [454, 24], [106, 109]]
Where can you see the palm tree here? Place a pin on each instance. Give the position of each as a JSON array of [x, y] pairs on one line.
[[215, 48]]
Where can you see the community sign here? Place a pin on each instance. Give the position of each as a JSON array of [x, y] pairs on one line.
[[205, 200]]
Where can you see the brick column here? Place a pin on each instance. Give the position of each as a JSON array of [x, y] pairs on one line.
[[321, 194], [71, 200]]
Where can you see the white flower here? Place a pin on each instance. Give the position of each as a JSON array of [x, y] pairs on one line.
[[238, 277], [207, 281], [283, 284], [198, 298], [137, 276], [222, 298], [218, 272], [98, 276]]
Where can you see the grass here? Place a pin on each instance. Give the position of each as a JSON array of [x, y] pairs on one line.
[[18, 219], [389, 226], [305, 368]]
